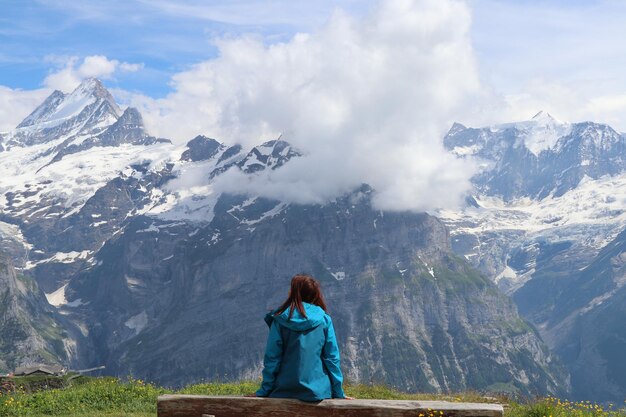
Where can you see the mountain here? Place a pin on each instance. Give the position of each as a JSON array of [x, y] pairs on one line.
[[50, 185], [544, 224], [156, 273], [86, 111], [407, 311], [201, 148], [541, 157], [547, 196], [127, 129]]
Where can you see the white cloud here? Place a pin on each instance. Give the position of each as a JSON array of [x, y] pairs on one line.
[[73, 71], [566, 102], [559, 56], [16, 104], [126, 67], [367, 100]]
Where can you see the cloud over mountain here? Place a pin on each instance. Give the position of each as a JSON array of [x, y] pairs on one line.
[[15, 104], [366, 100], [72, 71]]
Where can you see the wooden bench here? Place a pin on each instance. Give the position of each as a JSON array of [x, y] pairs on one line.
[[206, 406]]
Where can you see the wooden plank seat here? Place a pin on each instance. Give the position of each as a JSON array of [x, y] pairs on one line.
[[223, 406]]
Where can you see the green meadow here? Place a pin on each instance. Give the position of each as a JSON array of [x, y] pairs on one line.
[[111, 397]]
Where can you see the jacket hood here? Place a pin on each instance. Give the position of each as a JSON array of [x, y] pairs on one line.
[[314, 317]]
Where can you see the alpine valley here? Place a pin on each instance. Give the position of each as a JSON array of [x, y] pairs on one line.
[[118, 250]]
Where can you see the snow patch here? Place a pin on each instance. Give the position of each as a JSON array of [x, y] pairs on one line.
[[137, 322], [339, 275], [508, 273], [76, 303], [270, 213], [62, 257], [57, 298], [151, 228], [465, 150], [132, 282]]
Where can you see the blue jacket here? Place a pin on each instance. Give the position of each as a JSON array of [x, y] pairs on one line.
[[301, 357]]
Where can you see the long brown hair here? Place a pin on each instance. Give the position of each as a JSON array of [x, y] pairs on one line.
[[304, 288]]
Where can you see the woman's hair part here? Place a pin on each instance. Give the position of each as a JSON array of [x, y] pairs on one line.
[[304, 288]]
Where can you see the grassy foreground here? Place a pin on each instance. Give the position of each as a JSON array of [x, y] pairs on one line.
[[110, 397]]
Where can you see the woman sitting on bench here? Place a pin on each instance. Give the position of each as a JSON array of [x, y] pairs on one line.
[[301, 357]]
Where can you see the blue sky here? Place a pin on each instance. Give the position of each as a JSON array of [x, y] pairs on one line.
[[165, 36], [565, 55], [514, 39]]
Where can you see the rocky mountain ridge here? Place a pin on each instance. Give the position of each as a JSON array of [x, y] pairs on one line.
[[539, 158], [28, 329]]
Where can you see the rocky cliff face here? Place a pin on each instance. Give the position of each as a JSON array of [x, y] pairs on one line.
[[175, 304], [584, 321], [29, 332], [156, 274]]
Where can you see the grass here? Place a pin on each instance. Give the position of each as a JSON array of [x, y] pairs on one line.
[[110, 397], [554, 407], [94, 397]]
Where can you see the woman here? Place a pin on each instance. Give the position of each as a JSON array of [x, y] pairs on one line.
[[301, 357]]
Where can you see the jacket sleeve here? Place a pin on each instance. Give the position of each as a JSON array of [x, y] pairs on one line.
[[271, 361], [330, 357]]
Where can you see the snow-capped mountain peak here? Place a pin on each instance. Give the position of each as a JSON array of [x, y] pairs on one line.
[[271, 154], [544, 117], [131, 117], [94, 87], [540, 133], [539, 157], [59, 107], [596, 135], [89, 109]]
